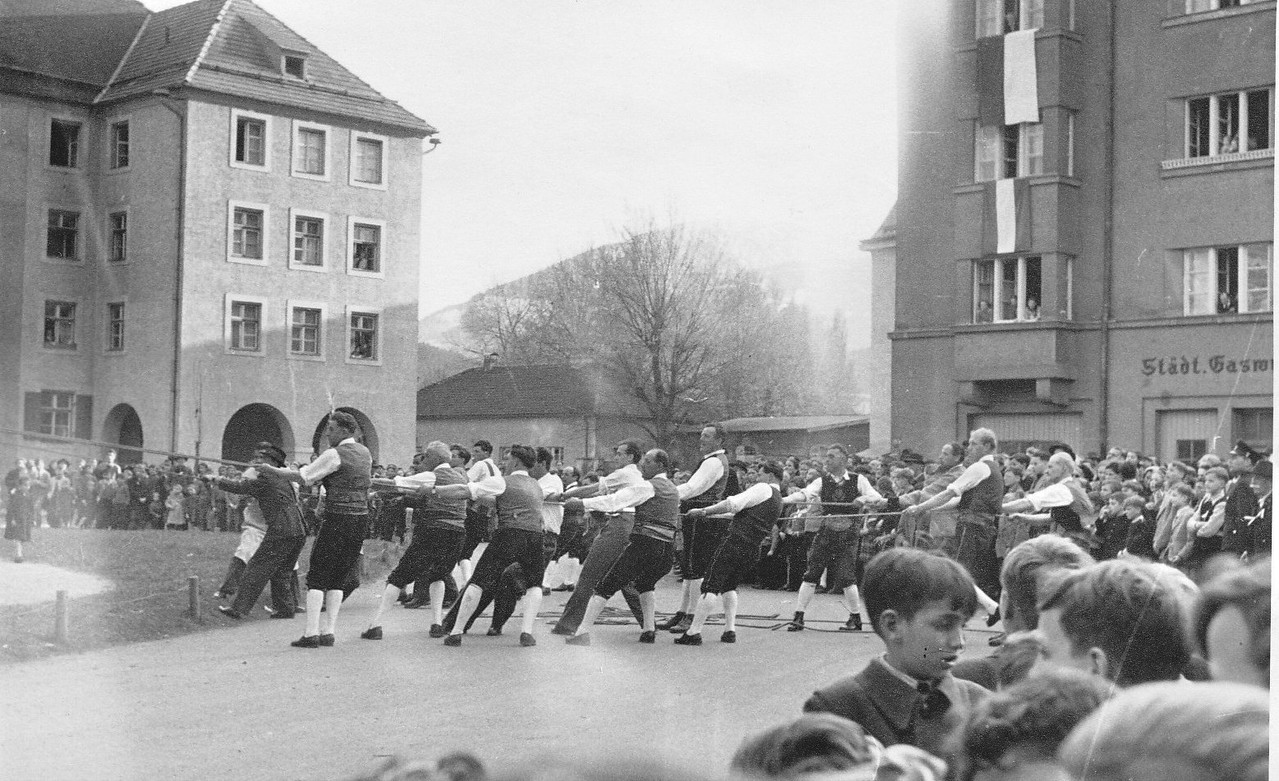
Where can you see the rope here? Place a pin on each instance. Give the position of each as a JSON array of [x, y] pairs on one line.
[[20, 434], [108, 605]]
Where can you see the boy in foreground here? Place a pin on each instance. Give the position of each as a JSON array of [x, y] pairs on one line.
[[918, 604]]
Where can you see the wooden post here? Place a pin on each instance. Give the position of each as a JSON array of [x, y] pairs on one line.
[[193, 596], [60, 634]]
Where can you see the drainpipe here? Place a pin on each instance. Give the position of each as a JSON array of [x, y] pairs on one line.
[[179, 111], [1108, 243]]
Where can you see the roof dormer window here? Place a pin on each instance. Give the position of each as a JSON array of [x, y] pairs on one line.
[[295, 66]]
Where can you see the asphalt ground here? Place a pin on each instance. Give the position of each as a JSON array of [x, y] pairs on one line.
[[238, 701]]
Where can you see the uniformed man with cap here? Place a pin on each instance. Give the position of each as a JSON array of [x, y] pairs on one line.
[[1241, 501], [273, 561]]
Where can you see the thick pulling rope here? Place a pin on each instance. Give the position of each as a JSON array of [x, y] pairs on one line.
[[17, 433]]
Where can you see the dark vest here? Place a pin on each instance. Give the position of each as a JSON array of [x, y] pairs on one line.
[[754, 524], [839, 494], [982, 502], [346, 491], [436, 511], [715, 493], [520, 505], [658, 517]]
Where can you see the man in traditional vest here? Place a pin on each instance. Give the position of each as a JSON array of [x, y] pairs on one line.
[[439, 529], [755, 512], [479, 515], [980, 490], [702, 533], [517, 539], [345, 470], [648, 554], [284, 535], [1062, 502], [842, 495]]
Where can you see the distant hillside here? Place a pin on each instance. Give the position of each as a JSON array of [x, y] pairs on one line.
[[434, 363]]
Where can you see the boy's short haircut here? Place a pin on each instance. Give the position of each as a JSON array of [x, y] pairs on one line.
[[906, 579], [1135, 501], [1212, 731], [1218, 472], [1131, 611], [813, 743], [1033, 717], [1185, 490], [1126, 470], [1248, 590], [1026, 566], [1133, 485]]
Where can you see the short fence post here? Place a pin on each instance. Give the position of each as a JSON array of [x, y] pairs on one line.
[[60, 634], [193, 596]]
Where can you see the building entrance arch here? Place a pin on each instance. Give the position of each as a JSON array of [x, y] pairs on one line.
[[124, 428], [251, 424], [366, 435]]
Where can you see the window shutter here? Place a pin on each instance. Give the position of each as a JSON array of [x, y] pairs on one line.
[[31, 412], [83, 417]]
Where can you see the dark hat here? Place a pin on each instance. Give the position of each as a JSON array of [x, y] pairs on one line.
[[1244, 449], [1061, 447], [271, 452], [1262, 469], [911, 457]]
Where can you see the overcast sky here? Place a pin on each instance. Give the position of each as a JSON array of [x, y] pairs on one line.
[[771, 123]]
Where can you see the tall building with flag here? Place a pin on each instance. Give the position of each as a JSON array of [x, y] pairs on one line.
[[1083, 244], [209, 231]]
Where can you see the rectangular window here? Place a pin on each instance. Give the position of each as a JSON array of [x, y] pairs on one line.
[[115, 327], [1219, 280], [1030, 149], [1007, 290], [1228, 123], [1070, 144], [1255, 426], [294, 66], [119, 226], [305, 331], [309, 157], [364, 336], [246, 234], [246, 326], [987, 154], [366, 249], [250, 141], [1005, 152], [308, 241], [997, 17], [63, 238], [368, 161], [120, 144], [57, 413], [59, 324], [1191, 450], [64, 143]]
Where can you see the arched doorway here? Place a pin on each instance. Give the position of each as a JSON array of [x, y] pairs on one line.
[[251, 424], [124, 428], [367, 435]]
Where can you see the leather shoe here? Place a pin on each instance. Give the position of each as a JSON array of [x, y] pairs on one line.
[[796, 625], [372, 633], [683, 626], [689, 639], [993, 618], [853, 624], [583, 639], [669, 624], [453, 640], [728, 637], [527, 640], [327, 640], [494, 631], [305, 641], [230, 612], [648, 637], [437, 631]]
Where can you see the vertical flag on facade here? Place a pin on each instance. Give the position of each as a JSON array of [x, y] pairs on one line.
[[1006, 224], [1021, 87]]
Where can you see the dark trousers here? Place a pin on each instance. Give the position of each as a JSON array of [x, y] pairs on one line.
[[975, 550], [336, 551], [605, 551], [794, 551], [272, 563], [702, 537]]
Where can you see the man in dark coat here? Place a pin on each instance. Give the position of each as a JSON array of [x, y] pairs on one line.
[[1241, 501], [285, 535]]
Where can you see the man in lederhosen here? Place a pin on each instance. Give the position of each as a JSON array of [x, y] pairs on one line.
[[701, 533]]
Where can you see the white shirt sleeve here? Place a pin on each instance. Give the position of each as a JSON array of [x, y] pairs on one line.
[[489, 486], [1055, 495], [707, 474], [480, 470], [626, 498], [867, 491], [324, 465], [621, 478], [756, 494], [420, 480], [973, 475], [810, 493]]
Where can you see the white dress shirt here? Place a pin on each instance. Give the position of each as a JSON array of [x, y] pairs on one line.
[[974, 474], [708, 473], [813, 491], [421, 479], [491, 486], [1055, 495], [756, 494], [324, 465], [552, 514], [627, 498], [621, 478], [482, 469]]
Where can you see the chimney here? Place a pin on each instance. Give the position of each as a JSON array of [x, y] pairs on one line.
[[490, 361]]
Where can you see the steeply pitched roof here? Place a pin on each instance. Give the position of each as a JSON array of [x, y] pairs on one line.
[[233, 47], [76, 40], [519, 391], [887, 232], [792, 423]]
